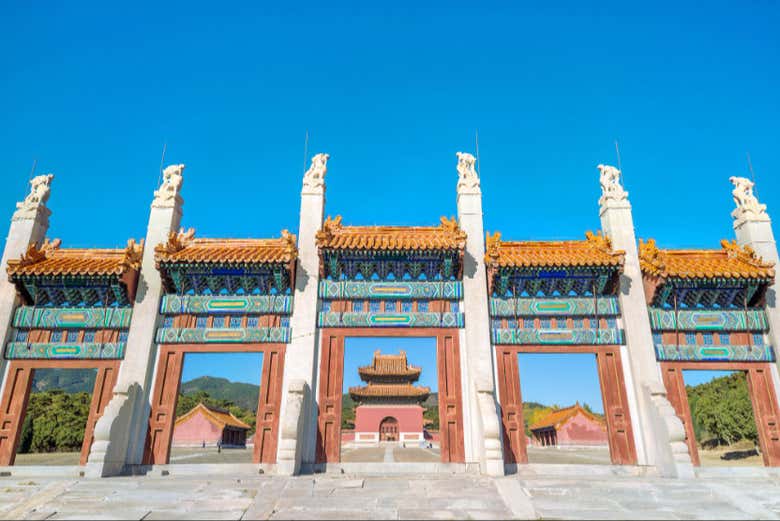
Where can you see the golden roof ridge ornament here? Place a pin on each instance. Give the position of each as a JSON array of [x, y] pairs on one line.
[[134, 253], [744, 253], [177, 241], [748, 208]]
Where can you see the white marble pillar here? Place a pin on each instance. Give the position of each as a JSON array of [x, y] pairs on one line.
[[29, 225], [120, 434], [478, 376], [658, 433], [753, 227], [300, 366]]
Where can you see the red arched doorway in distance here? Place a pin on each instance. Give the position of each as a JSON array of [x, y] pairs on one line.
[[388, 429]]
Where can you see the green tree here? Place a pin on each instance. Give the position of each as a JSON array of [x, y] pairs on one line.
[[55, 422], [722, 409]]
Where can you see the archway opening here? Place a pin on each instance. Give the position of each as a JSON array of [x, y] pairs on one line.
[[563, 408], [388, 429], [54, 425], [722, 419]]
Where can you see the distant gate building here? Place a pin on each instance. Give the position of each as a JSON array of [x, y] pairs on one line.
[[390, 406], [209, 426], [569, 426]]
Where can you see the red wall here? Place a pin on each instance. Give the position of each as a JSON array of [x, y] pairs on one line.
[[581, 430], [195, 430], [368, 417]]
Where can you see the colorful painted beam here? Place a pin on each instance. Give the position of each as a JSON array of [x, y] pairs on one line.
[[696, 353], [511, 307], [609, 336], [255, 304], [445, 290], [62, 351], [709, 320], [81, 318], [173, 335], [354, 319]]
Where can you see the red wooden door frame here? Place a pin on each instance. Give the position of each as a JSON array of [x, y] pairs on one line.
[[166, 394], [763, 398], [331, 383], [16, 397], [613, 393]]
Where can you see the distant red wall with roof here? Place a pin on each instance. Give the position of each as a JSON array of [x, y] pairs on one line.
[[195, 430], [581, 430], [368, 418]]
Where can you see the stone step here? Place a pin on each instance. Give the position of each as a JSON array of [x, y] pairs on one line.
[[540, 470]]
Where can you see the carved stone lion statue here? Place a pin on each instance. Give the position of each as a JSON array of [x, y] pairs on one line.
[[39, 191], [314, 178], [40, 187], [171, 184], [611, 189], [468, 180], [747, 203]]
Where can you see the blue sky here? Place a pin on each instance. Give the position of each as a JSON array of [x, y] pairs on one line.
[[560, 379], [236, 367], [391, 92], [93, 91]]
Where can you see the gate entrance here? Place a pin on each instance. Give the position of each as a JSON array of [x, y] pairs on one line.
[[329, 433], [763, 400], [16, 399], [168, 385], [388, 429], [620, 437]]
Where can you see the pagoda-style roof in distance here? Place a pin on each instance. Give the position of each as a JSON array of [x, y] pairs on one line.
[[187, 263], [103, 275], [371, 390], [446, 236], [731, 261], [220, 418], [389, 379], [557, 418], [594, 251], [389, 366], [730, 276]]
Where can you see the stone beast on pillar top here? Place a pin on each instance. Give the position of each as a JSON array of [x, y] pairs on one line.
[[168, 194], [611, 187], [748, 208], [40, 187], [468, 180], [314, 178]]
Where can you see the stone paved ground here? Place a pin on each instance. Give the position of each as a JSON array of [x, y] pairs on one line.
[[325, 496]]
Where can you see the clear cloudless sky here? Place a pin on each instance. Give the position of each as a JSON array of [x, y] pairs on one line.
[[93, 91]]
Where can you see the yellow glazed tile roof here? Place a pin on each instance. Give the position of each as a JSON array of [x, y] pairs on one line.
[[595, 250], [50, 259], [184, 247], [390, 391], [731, 262], [389, 365], [557, 418], [446, 236]]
